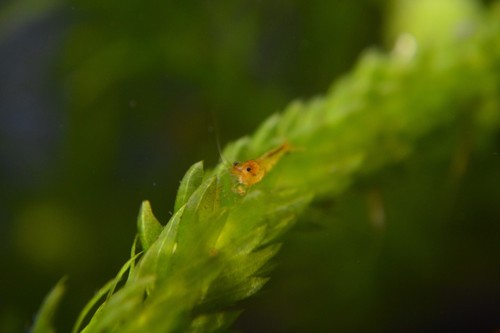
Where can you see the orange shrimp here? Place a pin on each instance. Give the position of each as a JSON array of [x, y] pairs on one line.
[[251, 172]]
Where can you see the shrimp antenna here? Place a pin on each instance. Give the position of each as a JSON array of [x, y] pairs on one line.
[[217, 140], [224, 161]]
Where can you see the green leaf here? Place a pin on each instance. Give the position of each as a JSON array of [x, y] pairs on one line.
[[108, 289], [214, 322], [157, 260], [122, 305], [91, 303], [148, 226], [45, 316], [192, 179]]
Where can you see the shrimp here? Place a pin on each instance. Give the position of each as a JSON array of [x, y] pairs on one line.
[[252, 172]]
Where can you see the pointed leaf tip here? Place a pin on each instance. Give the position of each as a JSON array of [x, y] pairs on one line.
[[191, 181], [148, 226], [45, 316]]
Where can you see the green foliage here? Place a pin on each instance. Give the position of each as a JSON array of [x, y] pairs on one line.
[[44, 319], [191, 181], [217, 246], [148, 226]]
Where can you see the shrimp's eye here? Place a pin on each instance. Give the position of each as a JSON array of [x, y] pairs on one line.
[[249, 169], [236, 163]]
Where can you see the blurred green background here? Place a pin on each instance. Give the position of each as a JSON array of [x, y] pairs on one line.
[[107, 103]]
